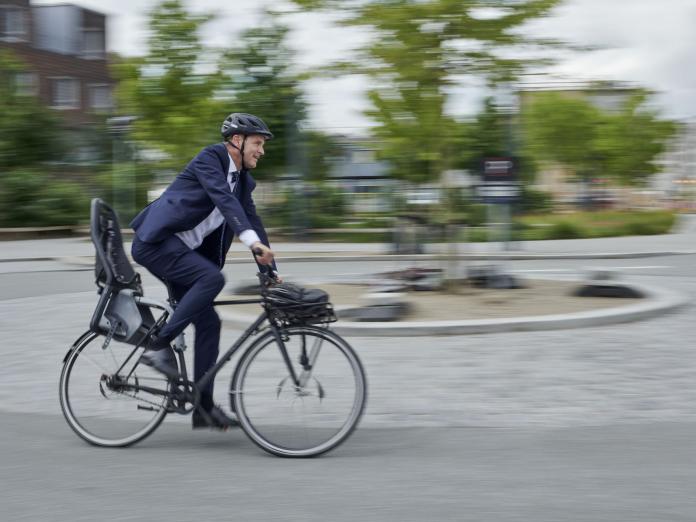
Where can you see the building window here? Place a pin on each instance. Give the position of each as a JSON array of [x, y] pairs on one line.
[[14, 25], [65, 93], [99, 97], [93, 43], [26, 84]]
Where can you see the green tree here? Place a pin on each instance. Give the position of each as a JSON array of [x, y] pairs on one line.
[[168, 90], [628, 141], [257, 71], [418, 51], [563, 129], [30, 133], [618, 145], [31, 136], [490, 135]]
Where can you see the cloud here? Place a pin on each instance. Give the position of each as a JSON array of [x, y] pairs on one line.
[[646, 42], [642, 41]]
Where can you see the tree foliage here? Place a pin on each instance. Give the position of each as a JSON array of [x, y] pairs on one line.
[[181, 91], [620, 145], [418, 51], [30, 133], [629, 141], [169, 90], [257, 71], [490, 134]]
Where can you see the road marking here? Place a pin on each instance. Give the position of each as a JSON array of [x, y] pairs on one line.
[[598, 268], [651, 267], [547, 270]]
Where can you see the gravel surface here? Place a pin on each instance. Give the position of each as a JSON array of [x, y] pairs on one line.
[[539, 297]]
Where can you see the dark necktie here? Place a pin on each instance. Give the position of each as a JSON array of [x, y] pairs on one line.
[[235, 180]]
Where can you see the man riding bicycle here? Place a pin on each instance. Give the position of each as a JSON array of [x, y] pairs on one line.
[[182, 238]]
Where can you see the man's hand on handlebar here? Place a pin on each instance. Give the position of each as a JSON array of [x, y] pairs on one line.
[[263, 254]]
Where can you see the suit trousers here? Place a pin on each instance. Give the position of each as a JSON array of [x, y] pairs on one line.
[[194, 281]]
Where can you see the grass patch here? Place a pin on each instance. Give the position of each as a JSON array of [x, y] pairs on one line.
[[577, 225], [595, 224]]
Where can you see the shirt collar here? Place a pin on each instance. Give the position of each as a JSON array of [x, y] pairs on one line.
[[233, 166]]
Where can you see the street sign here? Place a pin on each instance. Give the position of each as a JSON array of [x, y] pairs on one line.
[[498, 192], [499, 181]]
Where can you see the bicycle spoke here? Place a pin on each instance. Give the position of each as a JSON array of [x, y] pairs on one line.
[[107, 409], [304, 419]]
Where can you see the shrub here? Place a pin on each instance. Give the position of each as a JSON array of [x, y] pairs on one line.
[[318, 206], [29, 198], [535, 201], [565, 229]]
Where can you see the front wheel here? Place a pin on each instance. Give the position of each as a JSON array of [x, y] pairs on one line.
[[107, 406], [304, 418]]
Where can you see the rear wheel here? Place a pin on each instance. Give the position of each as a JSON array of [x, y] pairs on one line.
[[304, 419], [106, 408]]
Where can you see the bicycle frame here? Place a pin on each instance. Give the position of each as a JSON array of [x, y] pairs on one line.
[[227, 356]]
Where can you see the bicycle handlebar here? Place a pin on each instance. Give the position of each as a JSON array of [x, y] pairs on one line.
[[267, 276]]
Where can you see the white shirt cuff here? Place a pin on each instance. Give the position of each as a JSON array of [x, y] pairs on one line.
[[249, 237]]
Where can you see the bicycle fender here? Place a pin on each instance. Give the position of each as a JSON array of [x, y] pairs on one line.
[[77, 343]]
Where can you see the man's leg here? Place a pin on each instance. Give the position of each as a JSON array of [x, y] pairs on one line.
[[174, 262], [207, 348]]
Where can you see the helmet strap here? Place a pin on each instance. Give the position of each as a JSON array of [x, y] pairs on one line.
[[241, 150]]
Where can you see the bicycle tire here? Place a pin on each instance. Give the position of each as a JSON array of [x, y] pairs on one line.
[[264, 358], [92, 409]]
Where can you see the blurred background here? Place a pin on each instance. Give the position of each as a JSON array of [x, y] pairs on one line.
[[394, 119], [398, 122]]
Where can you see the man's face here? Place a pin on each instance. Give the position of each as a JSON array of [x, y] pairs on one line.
[[253, 149]]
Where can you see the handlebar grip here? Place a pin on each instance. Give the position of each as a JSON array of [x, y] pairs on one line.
[[265, 269]]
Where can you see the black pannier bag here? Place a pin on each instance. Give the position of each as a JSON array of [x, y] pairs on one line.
[[117, 313], [292, 305]]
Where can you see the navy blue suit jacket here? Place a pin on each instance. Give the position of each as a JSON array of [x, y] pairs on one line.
[[193, 195]]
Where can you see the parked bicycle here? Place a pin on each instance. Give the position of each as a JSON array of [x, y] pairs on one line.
[[298, 389]]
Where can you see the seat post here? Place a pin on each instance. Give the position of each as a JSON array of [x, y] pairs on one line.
[[170, 294]]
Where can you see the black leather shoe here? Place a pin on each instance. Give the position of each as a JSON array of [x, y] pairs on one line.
[[155, 342], [216, 419], [162, 360]]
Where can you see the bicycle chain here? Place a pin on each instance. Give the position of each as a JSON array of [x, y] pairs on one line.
[[169, 398]]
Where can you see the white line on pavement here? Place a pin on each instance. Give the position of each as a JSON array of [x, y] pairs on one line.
[[643, 267], [546, 270]]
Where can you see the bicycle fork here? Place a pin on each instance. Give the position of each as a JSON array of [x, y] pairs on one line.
[[307, 361]]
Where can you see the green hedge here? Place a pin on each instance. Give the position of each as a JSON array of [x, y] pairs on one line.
[[595, 224], [563, 226], [30, 198], [317, 206]]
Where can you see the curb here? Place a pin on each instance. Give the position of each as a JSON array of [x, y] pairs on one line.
[[313, 257], [657, 302]]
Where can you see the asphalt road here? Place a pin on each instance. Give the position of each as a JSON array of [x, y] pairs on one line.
[[609, 473], [594, 424], [37, 278]]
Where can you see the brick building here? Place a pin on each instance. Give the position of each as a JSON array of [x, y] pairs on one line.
[[63, 50]]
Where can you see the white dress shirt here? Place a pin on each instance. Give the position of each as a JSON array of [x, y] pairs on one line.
[[194, 238]]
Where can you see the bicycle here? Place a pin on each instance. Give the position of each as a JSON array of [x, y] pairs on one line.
[[298, 390]]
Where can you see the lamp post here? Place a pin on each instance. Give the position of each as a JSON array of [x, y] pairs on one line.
[[123, 171]]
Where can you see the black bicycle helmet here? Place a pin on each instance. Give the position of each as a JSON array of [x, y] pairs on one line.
[[246, 124]]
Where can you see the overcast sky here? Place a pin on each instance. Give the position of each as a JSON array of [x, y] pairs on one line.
[[651, 43]]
